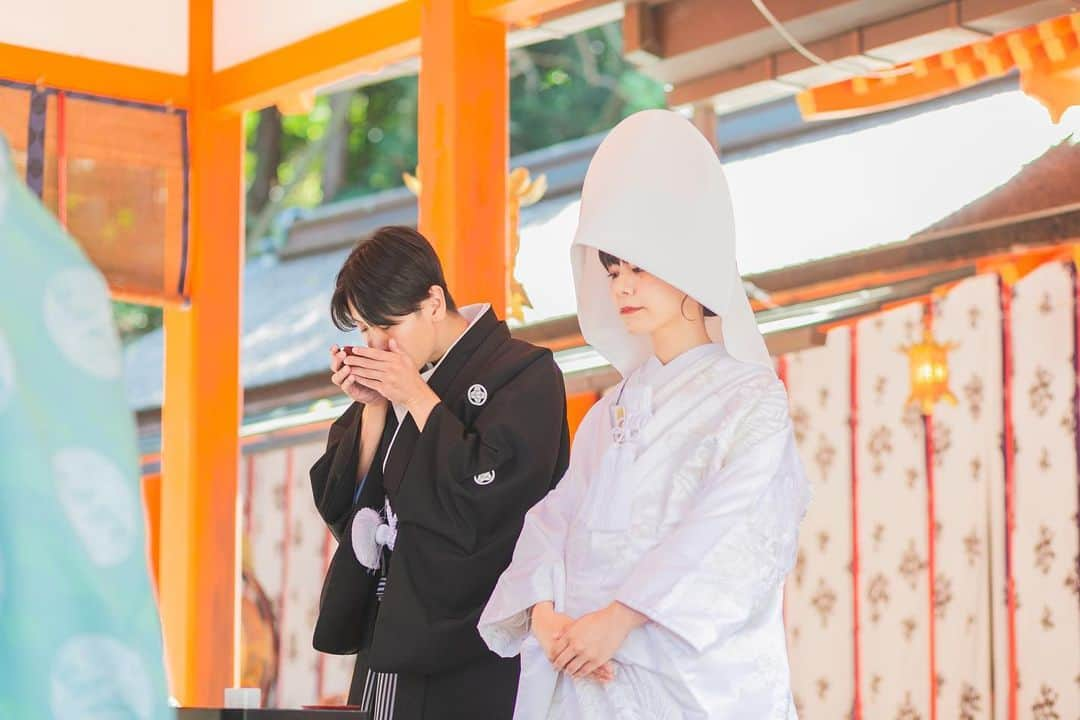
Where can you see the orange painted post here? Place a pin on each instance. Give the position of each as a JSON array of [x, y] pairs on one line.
[[576, 406], [201, 413], [464, 148], [151, 497]]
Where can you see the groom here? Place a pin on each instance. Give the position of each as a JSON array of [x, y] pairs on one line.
[[455, 431]]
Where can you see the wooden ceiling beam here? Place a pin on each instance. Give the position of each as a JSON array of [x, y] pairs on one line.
[[703, 88], [641, 45], [693, 31], [912, 25], [859, 41], [687, 25]]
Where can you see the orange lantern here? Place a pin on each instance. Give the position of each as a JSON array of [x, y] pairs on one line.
[[929, 367]]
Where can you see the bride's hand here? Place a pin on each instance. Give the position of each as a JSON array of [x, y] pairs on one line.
[[547, 625], [589, 643]]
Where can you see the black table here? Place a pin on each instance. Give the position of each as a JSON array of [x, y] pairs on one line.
[[231, 714]]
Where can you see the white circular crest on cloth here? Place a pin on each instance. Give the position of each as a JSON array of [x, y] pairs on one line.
[[79, 320], [7, 372], [478, 394], [96, 676], [98, 502], [484, 478]]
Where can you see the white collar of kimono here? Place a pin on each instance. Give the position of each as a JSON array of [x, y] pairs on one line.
[[655, 372], [655, 195], [472, 313]]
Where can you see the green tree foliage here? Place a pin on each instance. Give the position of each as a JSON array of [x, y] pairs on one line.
[[576, 86]]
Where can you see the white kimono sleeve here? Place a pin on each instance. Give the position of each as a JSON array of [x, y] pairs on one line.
[[728, 557], [537, 572]]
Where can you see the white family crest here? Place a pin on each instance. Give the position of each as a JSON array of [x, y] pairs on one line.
[[484, 478], [478, 394]]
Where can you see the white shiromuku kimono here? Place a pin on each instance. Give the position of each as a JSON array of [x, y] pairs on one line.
[[692, 523], [684, 491]]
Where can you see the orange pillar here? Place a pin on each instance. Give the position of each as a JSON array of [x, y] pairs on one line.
[[151, 496], [577, 405], [201, 413], [464, 148]]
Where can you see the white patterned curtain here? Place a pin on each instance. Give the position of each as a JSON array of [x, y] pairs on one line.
[[969, 475], [892, 504], [818, 595], [290, 548], [1045, 550], [301, 665], [892, 514]]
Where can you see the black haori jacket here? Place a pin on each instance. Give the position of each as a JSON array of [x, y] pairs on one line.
[[493, 447]]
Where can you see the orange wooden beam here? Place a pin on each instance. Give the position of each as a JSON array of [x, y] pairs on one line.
[[362, 45], [517, 11], [95, 77], [464, 148], [1047, 55], [1050, 69], [201, 414]]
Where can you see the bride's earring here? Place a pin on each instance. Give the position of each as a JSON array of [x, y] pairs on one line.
[[682, 309]]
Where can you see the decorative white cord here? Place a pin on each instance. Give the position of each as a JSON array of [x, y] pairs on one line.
[[813, 57]]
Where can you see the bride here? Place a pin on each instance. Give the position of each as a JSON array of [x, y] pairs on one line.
[[649, 583]]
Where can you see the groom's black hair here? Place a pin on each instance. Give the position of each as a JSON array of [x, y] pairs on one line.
[[386, 277]]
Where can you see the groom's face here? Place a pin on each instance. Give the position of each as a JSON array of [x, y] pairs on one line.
[[413, 333]]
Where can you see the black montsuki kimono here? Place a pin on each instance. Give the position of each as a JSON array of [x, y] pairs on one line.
[[494, 446]]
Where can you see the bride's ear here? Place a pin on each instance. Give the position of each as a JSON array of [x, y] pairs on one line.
[[694, 314]]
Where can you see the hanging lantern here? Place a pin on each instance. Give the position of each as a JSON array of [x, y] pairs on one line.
[[929, 366]]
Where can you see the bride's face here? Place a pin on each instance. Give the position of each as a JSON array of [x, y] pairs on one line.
[[645, 302]]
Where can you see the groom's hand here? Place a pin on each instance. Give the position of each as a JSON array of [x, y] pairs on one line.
[[393, 374]]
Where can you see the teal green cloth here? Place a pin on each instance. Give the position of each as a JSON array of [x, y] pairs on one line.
[[80, 635]]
